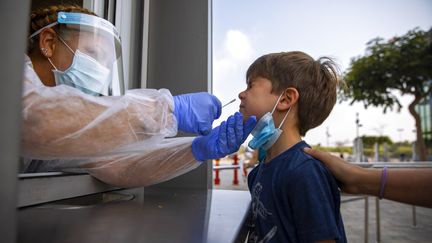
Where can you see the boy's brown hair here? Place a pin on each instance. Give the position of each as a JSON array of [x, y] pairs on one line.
[[315, 80]]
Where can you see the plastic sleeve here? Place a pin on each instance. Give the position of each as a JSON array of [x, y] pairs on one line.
[[135, 165], [62, 122]]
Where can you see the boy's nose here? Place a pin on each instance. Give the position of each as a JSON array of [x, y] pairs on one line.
[[241, 95]]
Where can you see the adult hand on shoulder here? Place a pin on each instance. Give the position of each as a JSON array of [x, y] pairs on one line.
[[347, 174], [224, 139], [196, 112]]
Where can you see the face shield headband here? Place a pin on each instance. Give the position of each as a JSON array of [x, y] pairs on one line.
[[82, 20]]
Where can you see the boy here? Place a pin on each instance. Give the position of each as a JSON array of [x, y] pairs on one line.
[[294, 197]]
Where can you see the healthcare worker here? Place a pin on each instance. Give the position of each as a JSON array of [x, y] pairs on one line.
[[74, 118]]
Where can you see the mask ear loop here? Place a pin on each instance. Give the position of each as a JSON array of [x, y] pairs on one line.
[[283, 120], [277, 102], [52, 64], [286, 115], [61, 40], [64, 42]]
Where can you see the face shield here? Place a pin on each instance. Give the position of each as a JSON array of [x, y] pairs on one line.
[[96, 46]]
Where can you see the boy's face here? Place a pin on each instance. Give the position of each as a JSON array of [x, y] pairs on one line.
[[258, 98]]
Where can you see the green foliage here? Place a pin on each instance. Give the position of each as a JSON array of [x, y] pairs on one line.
[[369, 152], [344, 149], [369, 141], [402, 63], [398, 150], [394, 151]]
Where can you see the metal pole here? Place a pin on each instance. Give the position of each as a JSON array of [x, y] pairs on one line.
[[357, 124], [328, 136], [414, 225], [217, 179], [366, 220], [378, 221], [235, 181], [14, 17]]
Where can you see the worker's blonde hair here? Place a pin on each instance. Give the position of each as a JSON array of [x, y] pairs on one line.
[[47, 15]]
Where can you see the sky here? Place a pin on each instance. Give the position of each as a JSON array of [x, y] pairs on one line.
[[244, 30]]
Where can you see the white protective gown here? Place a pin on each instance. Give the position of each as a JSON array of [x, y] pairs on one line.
[[121, 140]]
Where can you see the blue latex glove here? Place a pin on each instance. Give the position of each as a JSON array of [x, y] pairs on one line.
[[224, 139], [196, 112]]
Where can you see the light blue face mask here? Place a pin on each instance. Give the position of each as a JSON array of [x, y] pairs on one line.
[[265, 134], [85, 74]]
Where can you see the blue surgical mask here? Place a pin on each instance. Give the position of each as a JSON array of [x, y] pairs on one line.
[[85, 74], [265, 134]]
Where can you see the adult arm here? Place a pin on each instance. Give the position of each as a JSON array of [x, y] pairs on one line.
[[62, 122], [139, 164], [410, 186], [136, 164]]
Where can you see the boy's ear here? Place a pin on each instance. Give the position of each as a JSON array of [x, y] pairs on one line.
[[289, 98]]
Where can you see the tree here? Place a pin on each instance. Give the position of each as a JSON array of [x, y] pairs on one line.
[[401, 64], [369, 141]]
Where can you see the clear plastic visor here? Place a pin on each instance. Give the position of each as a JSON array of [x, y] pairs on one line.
[[101, 46], [98, 39]]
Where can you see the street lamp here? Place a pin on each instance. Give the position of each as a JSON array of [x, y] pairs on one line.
[[400, 130], [358, 125], [358, 147]]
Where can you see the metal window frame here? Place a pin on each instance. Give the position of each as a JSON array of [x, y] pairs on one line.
[[97, 6], [180, 59], [129, 22], [132, 19], [144, 45], [36, 188], [14, 17]]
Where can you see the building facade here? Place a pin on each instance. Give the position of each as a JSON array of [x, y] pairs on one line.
[[425, 111]]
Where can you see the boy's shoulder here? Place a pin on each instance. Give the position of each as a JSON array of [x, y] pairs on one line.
[[295, 158], [296, 164]]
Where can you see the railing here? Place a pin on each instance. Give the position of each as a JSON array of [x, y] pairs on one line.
[[408, 164], [235, 166], [405, 164]]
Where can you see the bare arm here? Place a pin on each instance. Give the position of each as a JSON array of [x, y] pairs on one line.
[[411, 186]]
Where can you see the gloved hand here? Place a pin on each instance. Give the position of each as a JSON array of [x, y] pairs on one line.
[[196, 112], [224, 139]]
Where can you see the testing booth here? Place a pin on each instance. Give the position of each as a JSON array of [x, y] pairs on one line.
[[166, 44]]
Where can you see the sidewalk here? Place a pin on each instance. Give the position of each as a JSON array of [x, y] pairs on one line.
[[396, 218], [396, 222]]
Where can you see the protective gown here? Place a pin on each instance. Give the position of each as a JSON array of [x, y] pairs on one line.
[[121, 140]]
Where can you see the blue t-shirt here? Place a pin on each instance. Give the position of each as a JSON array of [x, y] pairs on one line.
[[294, 199]]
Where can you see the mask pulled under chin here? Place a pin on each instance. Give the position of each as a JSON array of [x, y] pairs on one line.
[[265, 134]]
